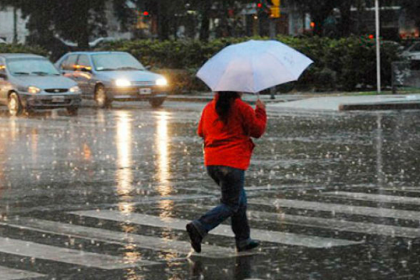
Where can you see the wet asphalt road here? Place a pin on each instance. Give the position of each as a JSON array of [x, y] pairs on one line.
[[332, 196]]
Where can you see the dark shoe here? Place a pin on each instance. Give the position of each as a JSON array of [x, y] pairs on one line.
[[195, 237], [251, 245]]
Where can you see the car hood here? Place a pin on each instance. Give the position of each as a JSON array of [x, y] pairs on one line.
[[133, 76], [45, 82]]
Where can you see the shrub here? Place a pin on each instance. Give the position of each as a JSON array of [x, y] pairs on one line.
[[326, 80], [19, 48]]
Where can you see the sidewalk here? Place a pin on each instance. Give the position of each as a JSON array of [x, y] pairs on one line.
[[251, 98], [287, 102], [349, 103]]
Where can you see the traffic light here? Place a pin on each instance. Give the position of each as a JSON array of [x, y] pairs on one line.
[[271, 7], [275, 8], [263, 6]]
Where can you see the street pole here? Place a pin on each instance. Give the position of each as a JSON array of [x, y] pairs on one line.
[[272, 36], [15, 19], [378, 46]]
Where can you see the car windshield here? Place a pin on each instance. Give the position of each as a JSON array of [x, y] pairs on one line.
[[115, 62], [31, 66]]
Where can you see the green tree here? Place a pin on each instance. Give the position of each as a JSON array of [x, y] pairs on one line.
[[75, 20], [225, 10]]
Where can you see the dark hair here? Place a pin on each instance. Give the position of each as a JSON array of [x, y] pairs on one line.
[[223, 104]]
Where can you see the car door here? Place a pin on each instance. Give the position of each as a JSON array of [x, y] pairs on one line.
[[84, 75], [68, 66]]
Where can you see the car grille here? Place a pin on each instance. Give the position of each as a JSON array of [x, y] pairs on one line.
[[56, 90], [50, 102], [142, 84]]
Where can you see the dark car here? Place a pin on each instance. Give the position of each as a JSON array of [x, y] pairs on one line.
[[113, 76], [31, 82]]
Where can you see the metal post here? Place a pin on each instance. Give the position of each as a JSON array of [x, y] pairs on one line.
[[378, 46], [272, 36], [393, 82], [15, 19]]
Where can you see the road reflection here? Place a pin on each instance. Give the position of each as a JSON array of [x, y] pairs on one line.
[[162, 140], [124, 173], [34, 144], [163, 172]]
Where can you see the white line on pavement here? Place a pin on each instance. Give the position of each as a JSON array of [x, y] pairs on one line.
[[221, 230], [122, 238], [376, 197], [339, 208], [47, 252], [16, 274], [335, 224]]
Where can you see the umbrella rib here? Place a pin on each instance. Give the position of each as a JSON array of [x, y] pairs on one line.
[[295, 77]]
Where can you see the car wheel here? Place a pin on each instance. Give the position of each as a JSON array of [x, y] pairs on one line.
[[14, 105], [72, 111], [156, 102], [102, 100]]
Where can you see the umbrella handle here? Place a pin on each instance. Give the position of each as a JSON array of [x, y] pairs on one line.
[[258, 95]]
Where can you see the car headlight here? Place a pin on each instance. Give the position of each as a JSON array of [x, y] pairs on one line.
[[33, 90], [122, 83], [75, 89], [161, 82]]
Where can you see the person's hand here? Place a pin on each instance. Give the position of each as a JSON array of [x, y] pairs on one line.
[[260, 104]]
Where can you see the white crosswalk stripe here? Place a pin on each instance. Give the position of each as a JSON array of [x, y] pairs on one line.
[[221, 230], [122, 238], [339, 208], [334, 224], [376, 197], [17, 274], [70, 256]]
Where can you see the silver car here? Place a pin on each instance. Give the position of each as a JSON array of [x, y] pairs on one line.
[[113, 76], [31, 82]]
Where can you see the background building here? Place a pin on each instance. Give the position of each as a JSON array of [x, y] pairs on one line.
[[12, 26]]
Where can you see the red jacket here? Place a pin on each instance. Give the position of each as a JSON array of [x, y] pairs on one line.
[[230, 144]]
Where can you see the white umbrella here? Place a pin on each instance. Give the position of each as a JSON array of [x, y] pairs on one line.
[[253, 66]]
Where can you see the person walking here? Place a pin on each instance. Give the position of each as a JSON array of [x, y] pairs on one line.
[[227, 124]]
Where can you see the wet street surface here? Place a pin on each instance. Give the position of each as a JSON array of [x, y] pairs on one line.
[[107, 194]]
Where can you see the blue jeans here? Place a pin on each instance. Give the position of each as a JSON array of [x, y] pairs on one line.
[[233, 204]]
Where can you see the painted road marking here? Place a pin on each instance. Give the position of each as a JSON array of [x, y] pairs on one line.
[[221, 230], [16, 274], [47, 252], [341, 225], [339, 208], [376, 197], [122, 238], [368, 228]]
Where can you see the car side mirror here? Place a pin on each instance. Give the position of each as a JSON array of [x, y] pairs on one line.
[[3, 76]]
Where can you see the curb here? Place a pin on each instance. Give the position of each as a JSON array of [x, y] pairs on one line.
[[379, 106]]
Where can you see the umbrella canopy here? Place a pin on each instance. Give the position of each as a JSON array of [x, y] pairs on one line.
[[253, 66]]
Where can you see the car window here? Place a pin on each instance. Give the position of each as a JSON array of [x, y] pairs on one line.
[[31, 66], [84, 61], [415, 48], [69, 63], [116, 61]]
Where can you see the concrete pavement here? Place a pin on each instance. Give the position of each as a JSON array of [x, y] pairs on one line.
[[305, 102]]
